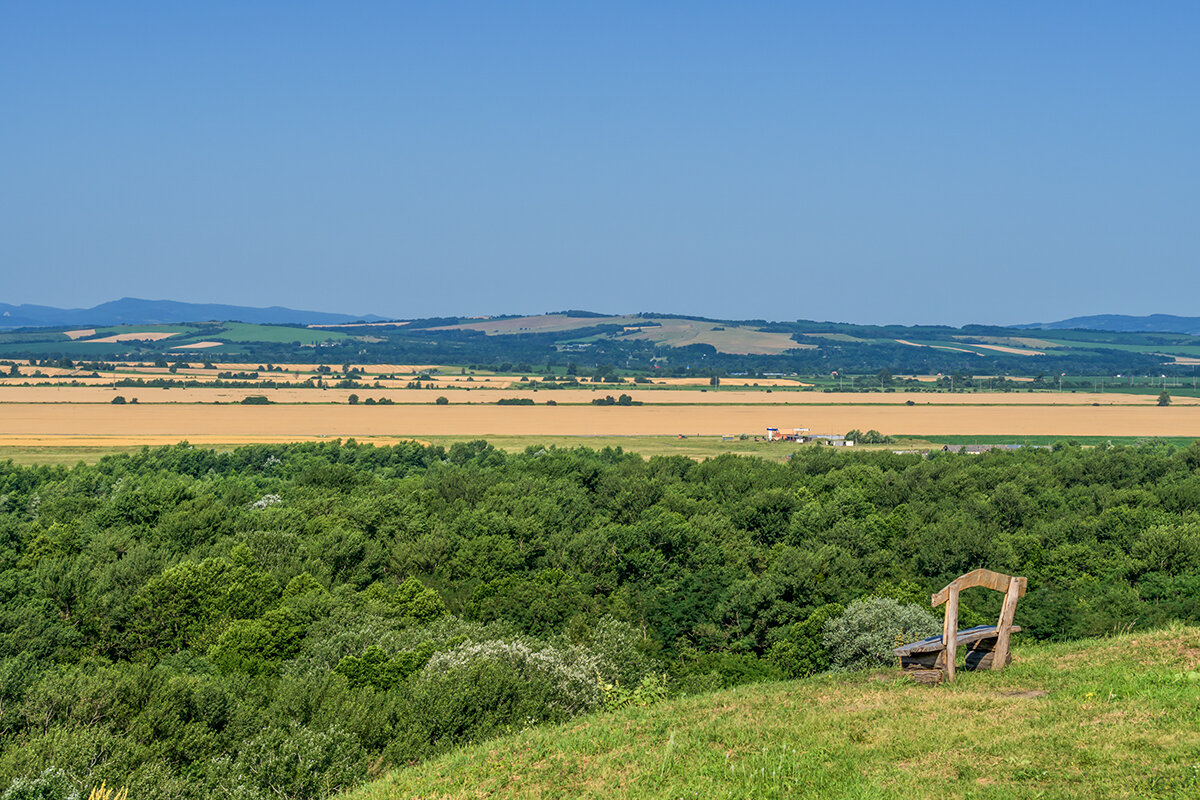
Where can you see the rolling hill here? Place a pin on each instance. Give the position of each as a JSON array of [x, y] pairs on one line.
[[1121, 323], [135, 311], [655, 342], [1112, 717]]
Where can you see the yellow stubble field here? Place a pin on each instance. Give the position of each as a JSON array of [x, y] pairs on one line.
[[47, 423], [487, 394]]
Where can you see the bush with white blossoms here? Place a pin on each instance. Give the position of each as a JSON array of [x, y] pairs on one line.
[[480, 689], [51, 784], [871, 627], [267, 500], [566, 676]]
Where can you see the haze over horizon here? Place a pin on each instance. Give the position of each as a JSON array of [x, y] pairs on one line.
[[878, 164]]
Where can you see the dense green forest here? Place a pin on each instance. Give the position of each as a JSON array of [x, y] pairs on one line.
[[287, 621]]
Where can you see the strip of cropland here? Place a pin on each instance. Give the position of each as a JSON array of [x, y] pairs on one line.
[[100, 391], [230, 423]]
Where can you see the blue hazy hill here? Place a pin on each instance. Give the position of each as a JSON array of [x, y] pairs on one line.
[[135, 311], [1123, 323]]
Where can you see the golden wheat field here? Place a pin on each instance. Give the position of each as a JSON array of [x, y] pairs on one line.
[[31, 423], [484, 394]]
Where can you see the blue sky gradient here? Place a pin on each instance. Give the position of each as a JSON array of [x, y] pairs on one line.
[[868, 162]]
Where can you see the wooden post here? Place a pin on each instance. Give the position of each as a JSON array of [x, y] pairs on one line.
[[950, 632], [1004, 626]]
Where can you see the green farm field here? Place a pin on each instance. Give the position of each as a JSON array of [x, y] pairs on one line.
[[697, 447]]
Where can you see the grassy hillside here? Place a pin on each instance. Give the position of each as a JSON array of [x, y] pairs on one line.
[[1117, 717]]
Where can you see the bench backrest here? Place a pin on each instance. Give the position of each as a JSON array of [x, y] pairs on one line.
[[1013, 588]]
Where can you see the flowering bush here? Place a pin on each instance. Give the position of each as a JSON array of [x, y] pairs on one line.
[[865, 635]]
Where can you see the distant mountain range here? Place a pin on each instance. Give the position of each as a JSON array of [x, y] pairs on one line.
[[1121, 323], [134, 311]]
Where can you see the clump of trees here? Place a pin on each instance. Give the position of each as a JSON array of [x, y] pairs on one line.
[[609, 400], [870, 437]]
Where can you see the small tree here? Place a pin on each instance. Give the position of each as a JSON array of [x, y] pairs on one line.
[[352, 399], [119, 400], [442, 401], [1164, 399]]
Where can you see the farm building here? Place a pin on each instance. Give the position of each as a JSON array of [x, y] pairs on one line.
[[802, 436], [834, 439], [976, 449]]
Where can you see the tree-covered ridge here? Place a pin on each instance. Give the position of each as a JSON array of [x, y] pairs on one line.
[[602, 341], [288, 620]]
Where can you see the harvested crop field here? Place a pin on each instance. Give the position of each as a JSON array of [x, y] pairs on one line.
[[100, 390], [230, 423], [1016, 351], [545, 323], [935, 346], [726, 339], [1009, 341], [144, 336]]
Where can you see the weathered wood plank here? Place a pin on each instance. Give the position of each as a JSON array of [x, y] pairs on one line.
[[1004, 626], [979, 577], [985, 659], [931, 676], [950, 632], [964, 637], [929, 660]]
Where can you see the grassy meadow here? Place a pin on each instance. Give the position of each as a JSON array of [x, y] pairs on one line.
[[1116, 717], [697, 447]]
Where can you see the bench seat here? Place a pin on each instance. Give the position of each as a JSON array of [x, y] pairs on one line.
[[966, 636]]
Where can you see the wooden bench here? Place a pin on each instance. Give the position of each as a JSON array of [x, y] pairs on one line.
[[932, 660]]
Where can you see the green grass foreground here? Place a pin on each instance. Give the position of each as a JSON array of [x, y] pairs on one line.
[[1111, 718]]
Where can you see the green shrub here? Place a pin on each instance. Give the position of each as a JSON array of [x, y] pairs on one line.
[[52, 784], [301, 763], [800, 650], [481, 689], [865, 635]]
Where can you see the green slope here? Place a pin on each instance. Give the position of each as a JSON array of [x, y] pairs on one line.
[[1117, 717]]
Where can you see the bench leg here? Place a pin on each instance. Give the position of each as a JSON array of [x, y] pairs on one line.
[[950, 633], [1003, 627]]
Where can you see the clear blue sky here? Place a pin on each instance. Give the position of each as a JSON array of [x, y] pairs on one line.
[[872, 162]]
